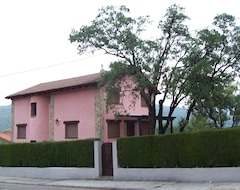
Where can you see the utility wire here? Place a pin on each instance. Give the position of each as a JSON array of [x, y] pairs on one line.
[[46, 67], [55, 65]]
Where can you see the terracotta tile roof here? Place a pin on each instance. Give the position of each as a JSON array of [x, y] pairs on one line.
[[59, 85], [5, 136]]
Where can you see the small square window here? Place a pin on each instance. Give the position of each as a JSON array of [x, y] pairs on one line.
[[21, 131], [71, 129], [33, 109]]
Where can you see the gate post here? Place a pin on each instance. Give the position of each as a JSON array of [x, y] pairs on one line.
[[98, 157], [115, 158]]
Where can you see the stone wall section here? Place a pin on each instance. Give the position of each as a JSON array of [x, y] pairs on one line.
[[51, 118], [99, 113]]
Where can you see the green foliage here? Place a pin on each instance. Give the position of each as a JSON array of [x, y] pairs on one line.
[[210, 148], [48, 154], [214, 63], [197, 69], [235, 110], [198, 122], [115, 33], [135, 155]]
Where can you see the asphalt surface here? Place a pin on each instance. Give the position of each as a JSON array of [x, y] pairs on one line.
[[119, 185]]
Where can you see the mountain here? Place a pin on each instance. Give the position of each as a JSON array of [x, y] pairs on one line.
[[181, 113], [178, 113], [5, 118]]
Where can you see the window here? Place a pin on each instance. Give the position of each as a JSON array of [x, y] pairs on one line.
[[33, 109], [130, 128], [145, 128], [21, 131], [71, 129], [143, 102], [113, 129]]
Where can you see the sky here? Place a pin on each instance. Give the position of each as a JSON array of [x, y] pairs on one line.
[[34, 45]]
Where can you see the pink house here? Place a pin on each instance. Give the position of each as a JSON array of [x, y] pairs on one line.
[[71, 109]]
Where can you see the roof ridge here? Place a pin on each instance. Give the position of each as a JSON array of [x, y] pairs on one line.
[[69, 78], [85, 80]]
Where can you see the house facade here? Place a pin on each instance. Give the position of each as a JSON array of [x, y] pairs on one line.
[[71, 109]]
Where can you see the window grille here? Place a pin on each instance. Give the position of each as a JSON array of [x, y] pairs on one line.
[[33, 109], [71, 129]]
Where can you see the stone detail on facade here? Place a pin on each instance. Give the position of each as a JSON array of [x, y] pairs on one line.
[[51, 118], [99, 113]]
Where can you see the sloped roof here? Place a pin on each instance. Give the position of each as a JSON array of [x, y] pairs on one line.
[[59, 85], [5, 136]]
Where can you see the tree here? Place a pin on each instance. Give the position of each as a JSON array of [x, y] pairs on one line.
[[197, 122], [235, 105], [236, 111], [152, 63], [214, 63]]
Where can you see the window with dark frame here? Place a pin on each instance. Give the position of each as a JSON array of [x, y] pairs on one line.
[[113, 129], [33, 109], [21, 131], [143, 102], [71, 129], [145, 128], [130, 128]]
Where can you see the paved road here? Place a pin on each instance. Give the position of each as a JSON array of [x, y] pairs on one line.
[[7, 186], [15, 183]]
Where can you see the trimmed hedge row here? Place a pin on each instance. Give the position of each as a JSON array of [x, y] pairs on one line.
[[211, 148], [48, 154]]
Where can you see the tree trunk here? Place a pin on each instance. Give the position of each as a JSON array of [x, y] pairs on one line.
[[168, 119], [190, 110], [160, 115], [152, 119]]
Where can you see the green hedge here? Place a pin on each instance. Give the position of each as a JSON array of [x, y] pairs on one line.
[[211, 148], [48, 154]]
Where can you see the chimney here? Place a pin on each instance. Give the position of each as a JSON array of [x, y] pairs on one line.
[[102, 70]]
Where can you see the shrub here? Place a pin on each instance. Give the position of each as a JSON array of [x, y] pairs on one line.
[[48, 154], [210, 148]]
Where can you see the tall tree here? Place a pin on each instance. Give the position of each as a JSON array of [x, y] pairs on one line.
[[235, 111], [214, 63], [152, 63]]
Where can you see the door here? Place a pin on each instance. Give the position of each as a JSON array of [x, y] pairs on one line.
[[107, 160], [130, 128]]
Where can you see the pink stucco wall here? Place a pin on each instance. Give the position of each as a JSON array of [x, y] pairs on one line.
[[136, 110], [21, 115], [40, 123], [75, 105], [70, 105], [37, 127]]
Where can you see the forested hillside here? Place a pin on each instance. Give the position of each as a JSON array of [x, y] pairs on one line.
[[5, 118]]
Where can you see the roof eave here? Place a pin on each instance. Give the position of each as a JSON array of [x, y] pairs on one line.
[[52, 90]]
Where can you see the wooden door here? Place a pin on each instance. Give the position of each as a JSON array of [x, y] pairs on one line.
[[107, 160]]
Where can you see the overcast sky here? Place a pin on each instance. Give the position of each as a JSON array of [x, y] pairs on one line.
[[34, 45]]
